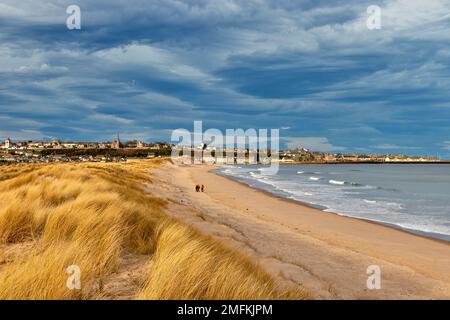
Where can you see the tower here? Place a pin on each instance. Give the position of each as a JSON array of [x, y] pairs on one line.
[[117, 144], [8, 143]]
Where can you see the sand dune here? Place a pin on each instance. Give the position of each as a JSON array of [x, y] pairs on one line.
[[99, 219]]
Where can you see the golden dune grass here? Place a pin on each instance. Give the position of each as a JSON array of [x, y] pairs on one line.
[[192, 266], [54, 216]]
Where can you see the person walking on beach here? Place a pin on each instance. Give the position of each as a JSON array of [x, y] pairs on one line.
[[197, 188], [203, 188]]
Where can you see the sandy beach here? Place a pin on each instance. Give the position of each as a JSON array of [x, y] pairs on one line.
[[326, 253]]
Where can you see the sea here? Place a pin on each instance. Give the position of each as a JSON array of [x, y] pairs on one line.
[[413, 197]]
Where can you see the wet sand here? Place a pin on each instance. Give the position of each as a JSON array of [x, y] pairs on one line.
[[326, 253]]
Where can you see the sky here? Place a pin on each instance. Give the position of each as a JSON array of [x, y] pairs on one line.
[[313, 69]]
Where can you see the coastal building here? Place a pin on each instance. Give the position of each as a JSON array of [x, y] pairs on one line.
[[69, 145], [56, 143], [117, 144], [8, 143], [104, 145]]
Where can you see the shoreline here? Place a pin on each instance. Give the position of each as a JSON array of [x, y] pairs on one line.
[[325, 253], [427, 235]]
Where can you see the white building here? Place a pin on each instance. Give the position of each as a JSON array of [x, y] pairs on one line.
[[8, 143]]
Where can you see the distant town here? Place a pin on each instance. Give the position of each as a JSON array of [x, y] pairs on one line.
[[63, 151], [118, 151], [303, 155]]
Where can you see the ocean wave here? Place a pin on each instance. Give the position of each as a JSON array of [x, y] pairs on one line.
[[227, 166], [337, 182], [264, 171], [341, 183], [422, 227], [357, 184], [388, 189], [308, 172], [412, 226], [256, 175], [394, 205]]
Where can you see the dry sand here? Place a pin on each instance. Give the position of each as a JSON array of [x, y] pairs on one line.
[[326, 253]]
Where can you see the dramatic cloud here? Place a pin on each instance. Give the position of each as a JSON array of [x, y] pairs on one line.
[[446, 145], [394, 147], [312, 143], [311, 68]]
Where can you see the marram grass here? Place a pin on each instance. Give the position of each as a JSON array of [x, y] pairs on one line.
[[90, 215]]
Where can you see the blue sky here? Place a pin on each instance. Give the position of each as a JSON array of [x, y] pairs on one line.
[[311, 68]]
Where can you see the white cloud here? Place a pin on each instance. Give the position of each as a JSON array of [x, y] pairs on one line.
[[311, 143], [21, 135], [151, 57], [358, 130], [393, 146], [41, 69], [446, 145]]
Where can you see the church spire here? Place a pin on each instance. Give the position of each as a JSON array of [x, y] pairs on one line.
[[117, 143]]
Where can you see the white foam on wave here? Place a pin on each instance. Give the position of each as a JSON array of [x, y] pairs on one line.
[[264, 171], [300, 172], [442, 230], [394, 205], [337, 182], [255, 175], [369, 201], [314, 178]]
